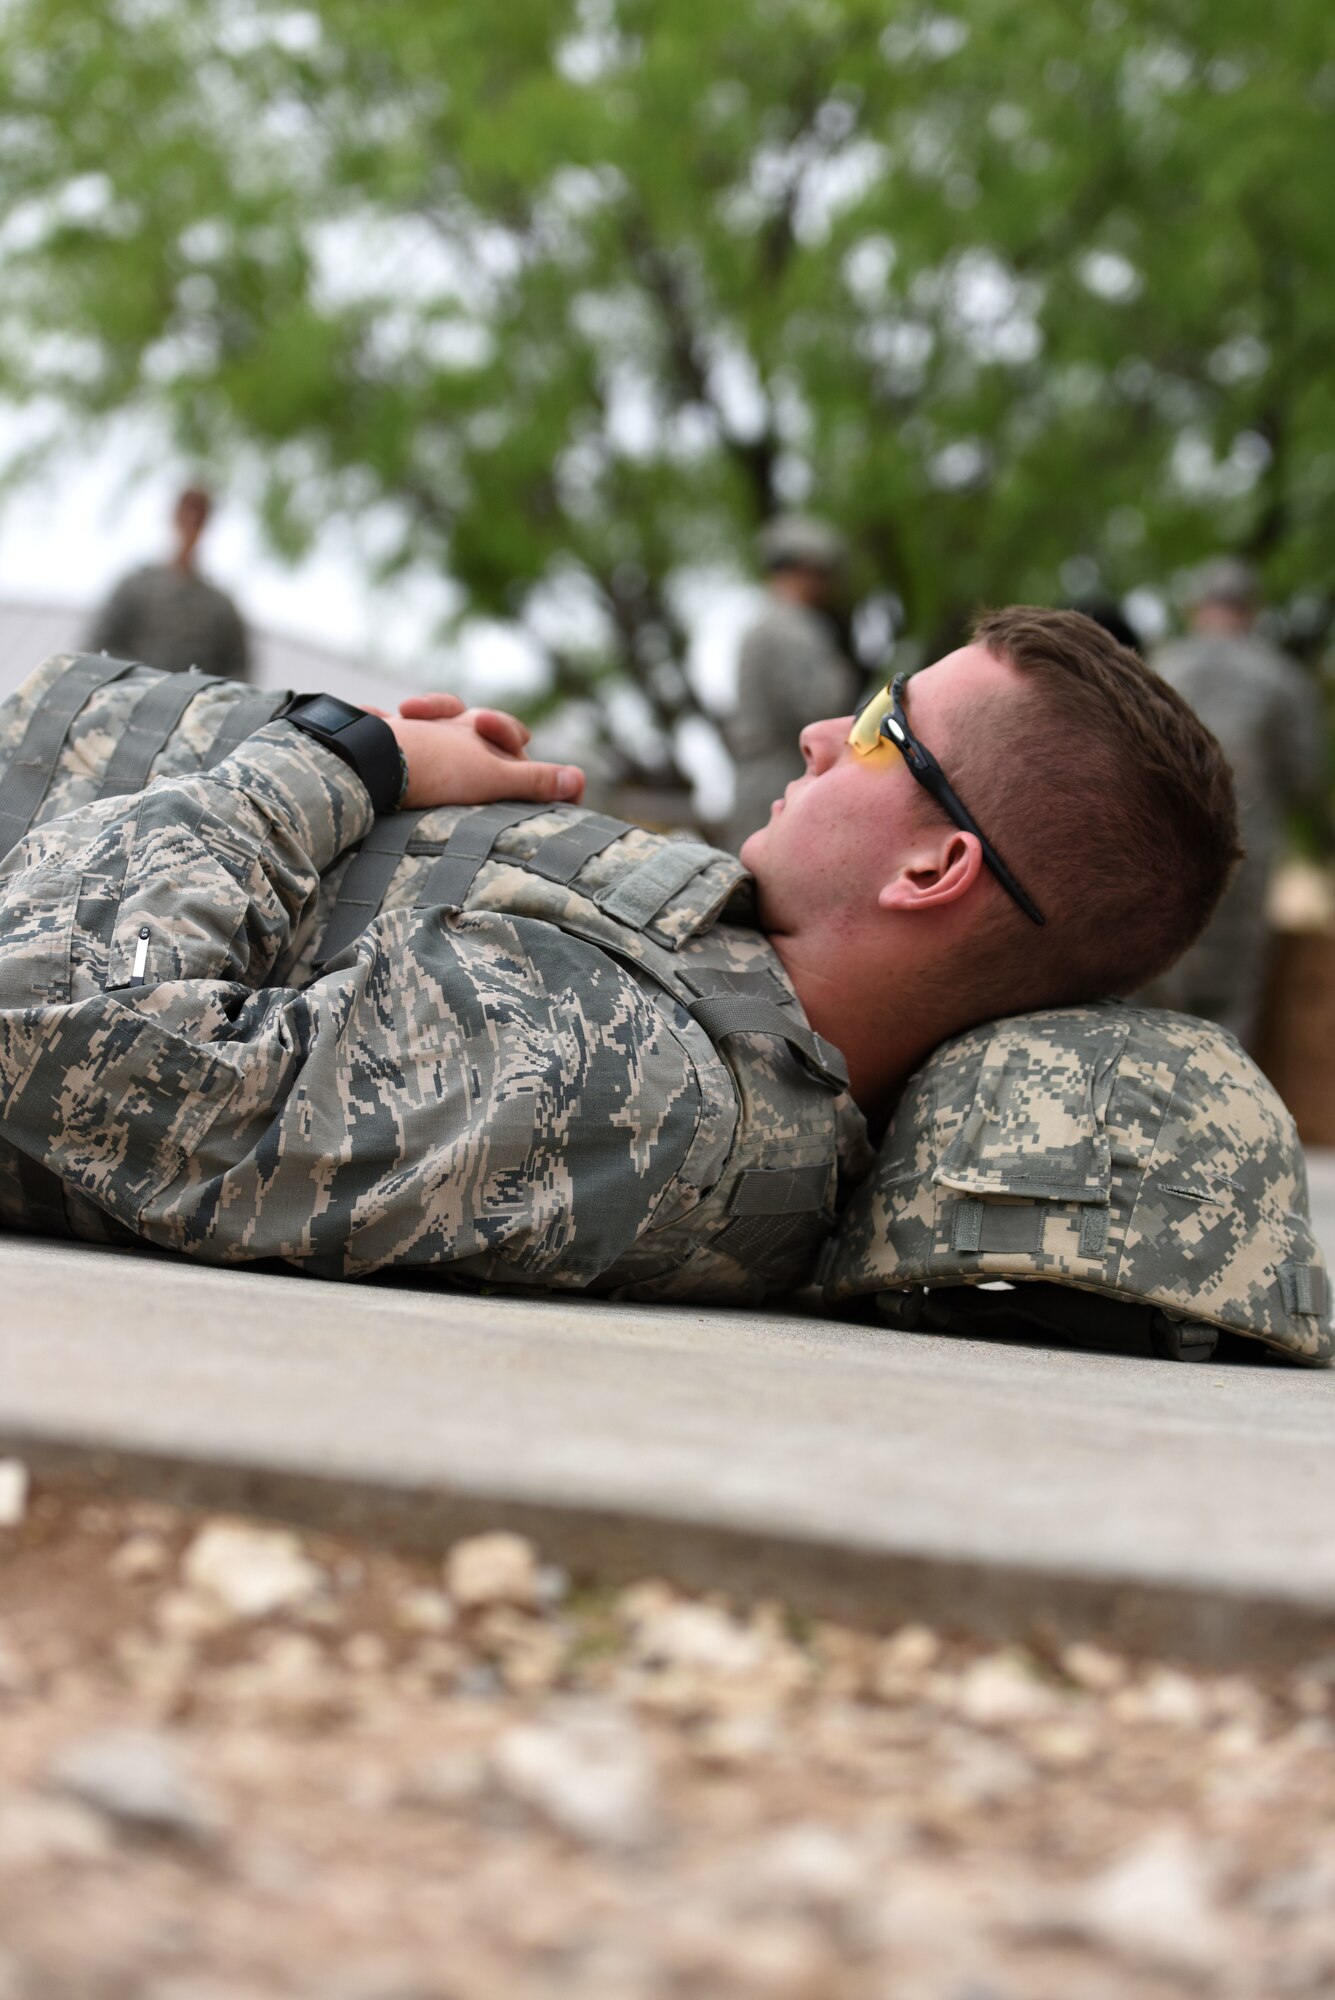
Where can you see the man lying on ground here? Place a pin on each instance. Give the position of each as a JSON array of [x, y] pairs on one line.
[[568, 1053]]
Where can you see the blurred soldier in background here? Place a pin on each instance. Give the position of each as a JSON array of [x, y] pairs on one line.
[[168, 615], [792, 669], [1266, 714]]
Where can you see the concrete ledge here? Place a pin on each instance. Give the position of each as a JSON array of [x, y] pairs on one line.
[[858, 1473]]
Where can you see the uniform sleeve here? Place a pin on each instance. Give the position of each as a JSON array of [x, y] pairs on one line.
[[202, 876], [233, 653], [1298, 745], [481, 1096]]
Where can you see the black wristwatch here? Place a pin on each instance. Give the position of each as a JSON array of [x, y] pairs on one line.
[[364, 742]]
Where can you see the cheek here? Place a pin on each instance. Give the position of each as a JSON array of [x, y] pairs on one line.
[[832, 832]]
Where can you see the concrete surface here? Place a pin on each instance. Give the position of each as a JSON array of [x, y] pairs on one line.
[[859, 1472]]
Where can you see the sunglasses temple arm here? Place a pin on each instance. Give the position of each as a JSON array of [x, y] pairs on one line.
[[964, 819]]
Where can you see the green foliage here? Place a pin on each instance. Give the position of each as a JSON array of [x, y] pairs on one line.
[[588, 288]]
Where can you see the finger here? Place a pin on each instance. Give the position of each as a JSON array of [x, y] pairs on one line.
[[507, 732], [561, 783], [371, 709], [431, 707]]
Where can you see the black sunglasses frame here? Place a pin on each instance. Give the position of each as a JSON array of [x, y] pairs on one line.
[[935, 783]]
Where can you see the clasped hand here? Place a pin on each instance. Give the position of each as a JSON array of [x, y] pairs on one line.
[[461, 756]]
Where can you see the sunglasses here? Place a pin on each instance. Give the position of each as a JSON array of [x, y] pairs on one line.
[[882, 720]]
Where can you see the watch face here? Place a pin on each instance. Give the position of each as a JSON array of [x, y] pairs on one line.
[[326, 711]]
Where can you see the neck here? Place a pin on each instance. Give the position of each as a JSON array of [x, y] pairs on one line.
[[883, 1021]]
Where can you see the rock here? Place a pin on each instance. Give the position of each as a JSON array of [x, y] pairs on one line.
[[140, 1557], [424, 1611], [588, 1773], [1153, 1907], [1091, 1668], [999, 1690], [288, 1679], [911, 1650], [729, 1742], [808, 1867], [902, 1663], [701, 1637], [779, 1958], [14, 1676], [201, 1986], [157, 1670], [1164, 1696], [494, 1569], [250, 1572], [479, 1680], [365, 1653], [976, 1771], [644, 1600], [530, 1653], [553, 1586], [136, 1779], [13, 1492], [34, 1831], [1061, 1745], [446, 1783], [184, 1616]]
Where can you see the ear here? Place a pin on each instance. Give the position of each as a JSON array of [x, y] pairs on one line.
[[937, 873]]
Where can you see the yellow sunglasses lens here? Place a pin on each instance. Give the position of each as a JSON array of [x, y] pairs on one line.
[[865, 735]]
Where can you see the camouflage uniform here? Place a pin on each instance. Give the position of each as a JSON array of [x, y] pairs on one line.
[[174, 619], [1267, 716], [791, 672], [569, 1060]]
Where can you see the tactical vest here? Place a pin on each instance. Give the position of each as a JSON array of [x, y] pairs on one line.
[[673, 913]]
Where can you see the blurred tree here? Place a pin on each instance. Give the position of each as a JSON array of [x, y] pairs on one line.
[[1028, 301]]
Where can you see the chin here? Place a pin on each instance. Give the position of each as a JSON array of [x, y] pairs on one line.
[[752, 845]]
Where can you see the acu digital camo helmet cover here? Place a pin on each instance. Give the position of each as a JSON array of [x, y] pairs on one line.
[[1110, 1150]]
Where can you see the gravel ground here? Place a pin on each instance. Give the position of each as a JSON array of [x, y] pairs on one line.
[[238, 1763]]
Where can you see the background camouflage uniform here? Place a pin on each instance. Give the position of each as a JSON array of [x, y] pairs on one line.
[[172, 618], [1267, 716], [791, 672]]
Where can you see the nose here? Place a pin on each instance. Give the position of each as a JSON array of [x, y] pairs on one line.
[[822, 742]]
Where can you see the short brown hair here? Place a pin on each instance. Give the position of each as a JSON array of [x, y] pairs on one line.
[[1108, 798]]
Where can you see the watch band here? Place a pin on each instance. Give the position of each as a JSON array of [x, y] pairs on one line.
[[365, 743]]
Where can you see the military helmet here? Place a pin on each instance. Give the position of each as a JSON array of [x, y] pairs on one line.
[[800, 541], [1118, 1174], [1226, 580]]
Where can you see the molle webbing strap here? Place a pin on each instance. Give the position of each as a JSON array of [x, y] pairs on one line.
[[560, 857], [248, 713], [1304, 1287], [365, 881], [26, 782], [144, 737], [729, 1014], [450, 878], [44, 1197], [638, 897], [756, 982]]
